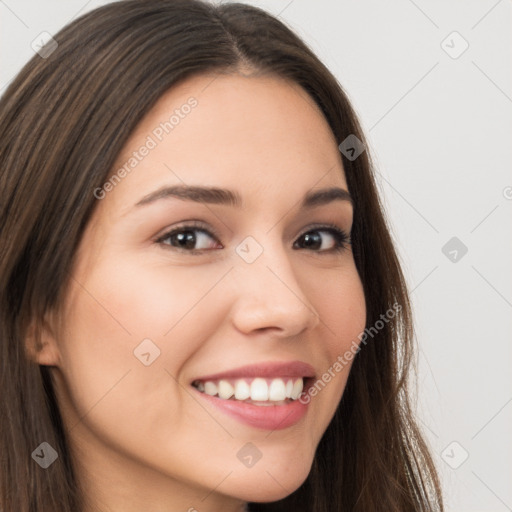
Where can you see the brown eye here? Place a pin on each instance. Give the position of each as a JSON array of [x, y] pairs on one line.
[[190, 239], [335, 241], [195, 239]]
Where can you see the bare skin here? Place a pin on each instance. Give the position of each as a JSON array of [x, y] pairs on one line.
[[141, 439]]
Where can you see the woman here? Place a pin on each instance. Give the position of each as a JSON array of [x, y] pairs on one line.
[[202, 308]]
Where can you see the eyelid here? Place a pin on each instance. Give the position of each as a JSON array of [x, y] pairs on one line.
[[199, 225], [319, 226]]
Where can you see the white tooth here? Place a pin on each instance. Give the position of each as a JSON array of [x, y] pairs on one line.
[[210, 388], [259, 389], [200, 386], [225, 389], [242, 390], [277, 390], [289, 388], [297, 389]]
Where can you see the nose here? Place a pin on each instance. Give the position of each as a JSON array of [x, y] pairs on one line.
[[269, 296]]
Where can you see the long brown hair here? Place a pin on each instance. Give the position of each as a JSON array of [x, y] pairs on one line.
[[63, 121]]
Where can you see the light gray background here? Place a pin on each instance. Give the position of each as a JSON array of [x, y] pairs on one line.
[[439, 129]]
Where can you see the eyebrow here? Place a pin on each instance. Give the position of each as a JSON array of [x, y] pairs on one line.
[[213, 195]]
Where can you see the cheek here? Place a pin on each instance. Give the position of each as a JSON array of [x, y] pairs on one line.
[[114, 393], [114, 311], [341, 306], [138, 301]]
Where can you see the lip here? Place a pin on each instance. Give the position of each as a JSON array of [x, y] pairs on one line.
[[272, 369], [271, 417]]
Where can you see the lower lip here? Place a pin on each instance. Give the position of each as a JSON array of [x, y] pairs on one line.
[[266, 417]]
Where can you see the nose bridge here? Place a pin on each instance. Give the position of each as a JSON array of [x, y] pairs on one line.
[[268, 293]]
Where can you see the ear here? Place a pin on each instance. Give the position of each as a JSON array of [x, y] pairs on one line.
[[41, 343]]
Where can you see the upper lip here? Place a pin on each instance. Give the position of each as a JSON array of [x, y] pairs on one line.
[[269, 370]]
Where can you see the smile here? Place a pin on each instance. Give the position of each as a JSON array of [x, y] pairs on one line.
[[257, 391], [263, 395]]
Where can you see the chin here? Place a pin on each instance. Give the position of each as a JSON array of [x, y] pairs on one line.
[[269, 484]]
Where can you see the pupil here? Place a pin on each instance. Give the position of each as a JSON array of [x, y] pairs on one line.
[[186, 239], [312, 240]]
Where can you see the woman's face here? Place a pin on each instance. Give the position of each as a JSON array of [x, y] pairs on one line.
[[172, 290]]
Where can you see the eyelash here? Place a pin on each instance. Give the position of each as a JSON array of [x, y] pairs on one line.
[[341, 238]]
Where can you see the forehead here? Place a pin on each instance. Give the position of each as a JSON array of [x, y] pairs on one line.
[[253, 133]]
